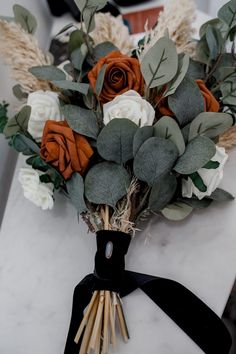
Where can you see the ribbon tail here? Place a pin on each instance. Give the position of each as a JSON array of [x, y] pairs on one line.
[[194, 317], [81, 298]]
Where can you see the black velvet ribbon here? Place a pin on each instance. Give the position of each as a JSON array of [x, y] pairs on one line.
[[194, 317]]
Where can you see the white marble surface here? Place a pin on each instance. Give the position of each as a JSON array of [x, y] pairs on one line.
[[43, 255]]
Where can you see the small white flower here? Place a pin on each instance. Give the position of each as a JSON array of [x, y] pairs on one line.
[[129, 105], [44, 106], [210, 177], [41, 194]]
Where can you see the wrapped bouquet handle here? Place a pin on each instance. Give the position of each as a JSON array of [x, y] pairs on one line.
[[100, 293]]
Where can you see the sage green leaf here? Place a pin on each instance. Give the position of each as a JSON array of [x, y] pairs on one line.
[[37, 163], [100, 79], [228, 89], [196, 203], [160, 64], [177, 211], [141, 135], [182, 70], [212, 165], [155, 158], [216, 23], [196, 70], [88, 17], [227, 14], [187, 101], [76, 40], [103, 49], [167, 128], [75, 188], [162, 192], [198, 182], [99, 4], [81, 120], [18, 92], [202, 51], [198, 152], [24, 145], [45, 178], [210, 124], [25, 18], [19, 123], [73, 86], [78, 57], [221, 195], [106, 183], [47, 72], [214, 41], [3, 116], [225, 72], [115, 141]]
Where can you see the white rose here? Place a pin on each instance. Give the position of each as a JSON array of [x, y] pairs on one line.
[[44, 106], [41, 194], [129, 105], [210, 177]]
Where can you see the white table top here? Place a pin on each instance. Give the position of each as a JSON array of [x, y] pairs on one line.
[[44, 254]]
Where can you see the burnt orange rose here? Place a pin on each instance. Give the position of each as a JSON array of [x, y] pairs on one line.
[[64, 149], [211, 104], [122, 74]]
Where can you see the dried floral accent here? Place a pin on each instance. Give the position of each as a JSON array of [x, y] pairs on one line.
[[177, 17], [26, 55], [112, 29], [228, 139]]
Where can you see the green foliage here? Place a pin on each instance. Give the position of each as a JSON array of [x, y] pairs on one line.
[[98, 4], [155, 158], [195, 203], [177, 211], [160, 64], [25, 18], [19, 123], [210, 124], [37, 163], [78, 57], [106, 183], [198, 152], [73, 86], [100, 79], [3, 116], [198, 182], [162, 192], [220, 195], [196, 70], [214, 41], [187, 102], [81, 120], [103, 49], [141, 135], [182, 70], [47, 72], [227, 14], [212, 165], [24, 145], [75, 188], [228, 89], [88, 8], [76, 40], [167, 128], [19, 93], [115, 142]]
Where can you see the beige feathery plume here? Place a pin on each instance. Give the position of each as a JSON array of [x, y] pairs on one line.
[[228, 139], [112, 29], [178, 18], [20, 51]]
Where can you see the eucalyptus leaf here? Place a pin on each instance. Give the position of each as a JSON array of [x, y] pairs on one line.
[[210, 124], [103, 49], [75, 188], [24, 145], [78, 57], [196, 203], [228, 89], [221, 195], [224, 73], [216, 23], [47, 72], [202, 51], [115, 142], [19, 123], [106, 183], [167, 128], [177, 211], [212, 165], [88, 17], [187, 101], [81, 120], [162, 192], [99, 4], [155, 158], [141, 135], [76, 40], [25, 18], [182, 70], [37, 163], [196, 70], [227, 14], [73, 86], [214, 41], [198, 182], [19, 93], [3, 116], [198, 152], [100, 79], [160, 64]]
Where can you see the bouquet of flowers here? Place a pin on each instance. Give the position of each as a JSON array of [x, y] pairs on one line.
[[125, 134]]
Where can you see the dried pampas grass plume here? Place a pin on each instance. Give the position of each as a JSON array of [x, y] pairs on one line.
[[228, 139], [178, 18], [112, 29], [20, 51]]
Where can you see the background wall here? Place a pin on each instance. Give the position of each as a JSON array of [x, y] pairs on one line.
[[7, 156]]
